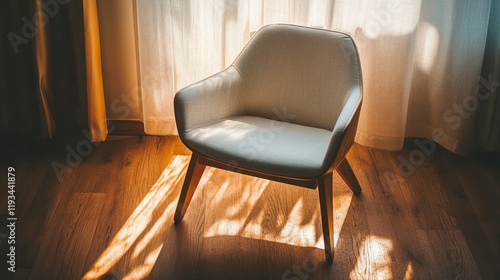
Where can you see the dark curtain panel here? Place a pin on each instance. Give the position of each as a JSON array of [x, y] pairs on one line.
[[488, 115], [19, 112], [54, 30]]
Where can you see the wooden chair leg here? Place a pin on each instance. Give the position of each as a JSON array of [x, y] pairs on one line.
[[345, 171], [193, 176], [325, 187]]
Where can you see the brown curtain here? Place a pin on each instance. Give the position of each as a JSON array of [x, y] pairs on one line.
[[51, 75], [19, 112], [488, 115]]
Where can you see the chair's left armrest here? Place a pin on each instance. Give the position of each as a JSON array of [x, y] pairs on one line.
[[208, 101]]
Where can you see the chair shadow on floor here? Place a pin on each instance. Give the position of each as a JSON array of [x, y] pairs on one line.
[[241, 227]]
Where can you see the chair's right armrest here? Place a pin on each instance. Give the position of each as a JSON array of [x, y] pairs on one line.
[[344, 132], [208, 101]]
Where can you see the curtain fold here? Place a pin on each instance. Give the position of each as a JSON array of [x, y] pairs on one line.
[[48, 125], [51, 69], [19, 109], [450, 46], [95, 90], [422, 60], [488, 118]]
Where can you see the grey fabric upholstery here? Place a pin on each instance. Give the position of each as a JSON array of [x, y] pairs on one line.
[[281, 108], [264, 145]]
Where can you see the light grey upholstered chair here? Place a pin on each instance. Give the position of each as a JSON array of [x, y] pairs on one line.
[[286, 110]]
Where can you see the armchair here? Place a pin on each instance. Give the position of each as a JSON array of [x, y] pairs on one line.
[[286, 110]]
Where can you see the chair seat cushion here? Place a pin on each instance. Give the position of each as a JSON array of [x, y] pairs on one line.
[[264, 145]]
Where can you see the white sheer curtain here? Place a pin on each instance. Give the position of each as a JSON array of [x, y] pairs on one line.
[[421, 59]]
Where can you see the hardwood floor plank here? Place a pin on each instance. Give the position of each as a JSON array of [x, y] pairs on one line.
[[427, 201], [482, 190], [136, 214], [62, 251], [475, 202], [450, 257], [388, 248]]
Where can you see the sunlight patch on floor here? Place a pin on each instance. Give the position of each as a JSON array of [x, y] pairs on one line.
[[247, 207], [409, 272], [341, 203], [141, 272], [374, 259], [296, 233], [138, 224], [231, 221]]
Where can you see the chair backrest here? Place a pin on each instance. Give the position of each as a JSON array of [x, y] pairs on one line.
[[299, 74]]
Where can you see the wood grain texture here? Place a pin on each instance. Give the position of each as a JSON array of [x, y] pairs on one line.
[[75, 228], [111, 217]]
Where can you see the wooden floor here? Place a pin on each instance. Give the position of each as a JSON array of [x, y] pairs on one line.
[[110, 216]]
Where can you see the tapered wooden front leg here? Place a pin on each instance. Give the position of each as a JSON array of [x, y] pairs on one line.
[[345, 171], [193, 176], [325, 187]]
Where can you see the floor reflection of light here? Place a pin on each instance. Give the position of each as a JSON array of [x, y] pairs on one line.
[[299, 234], [374, 259], [232, 221], [409, 272], [143, 271], [341, 203], [222, 190], [137, 225], [157, 227], [248, 213]]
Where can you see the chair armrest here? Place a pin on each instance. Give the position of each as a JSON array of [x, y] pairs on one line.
[[344, 132], [208, 101]]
